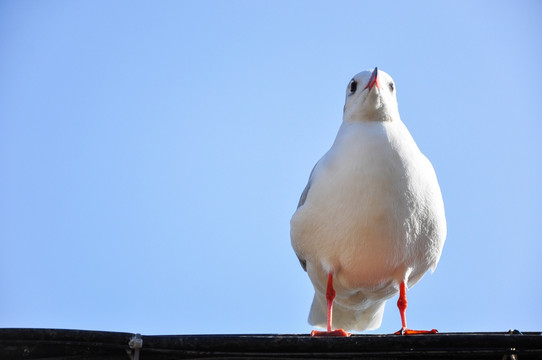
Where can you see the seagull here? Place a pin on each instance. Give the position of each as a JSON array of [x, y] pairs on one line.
[[370, 222]]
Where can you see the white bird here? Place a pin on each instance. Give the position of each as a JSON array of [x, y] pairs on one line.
[[370, 222]]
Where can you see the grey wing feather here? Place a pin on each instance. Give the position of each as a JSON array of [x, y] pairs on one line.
[[302, 199], [304, 195], [303, 262], [305, 192]]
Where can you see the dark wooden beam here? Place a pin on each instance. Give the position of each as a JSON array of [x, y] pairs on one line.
[[81, 344]]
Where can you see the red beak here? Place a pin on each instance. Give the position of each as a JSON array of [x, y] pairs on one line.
[[373, 81]]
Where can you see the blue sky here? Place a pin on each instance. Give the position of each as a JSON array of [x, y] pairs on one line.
[[152, 154]]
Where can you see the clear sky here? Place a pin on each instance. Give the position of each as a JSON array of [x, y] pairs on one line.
[[153, 152]]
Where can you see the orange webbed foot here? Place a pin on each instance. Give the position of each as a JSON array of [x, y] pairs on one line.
[[337, 332], [415, 332]]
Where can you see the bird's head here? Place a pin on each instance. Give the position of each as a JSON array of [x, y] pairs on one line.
[[370, 96]]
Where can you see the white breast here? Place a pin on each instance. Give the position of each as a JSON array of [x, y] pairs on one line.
[[373, 214]]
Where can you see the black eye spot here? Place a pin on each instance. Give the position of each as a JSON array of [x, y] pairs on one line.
[[392, 87], [353, 86]]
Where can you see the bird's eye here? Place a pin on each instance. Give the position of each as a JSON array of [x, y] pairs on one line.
[[392, 87], [353, 86]]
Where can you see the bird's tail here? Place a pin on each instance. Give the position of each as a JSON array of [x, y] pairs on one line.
[[347, 318]]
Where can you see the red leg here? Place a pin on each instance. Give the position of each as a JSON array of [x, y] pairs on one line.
[[330, 296], [402, 305]]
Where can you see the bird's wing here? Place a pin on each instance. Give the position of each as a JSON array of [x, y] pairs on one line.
[[303, 262], [305, 192], [302, 199]]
